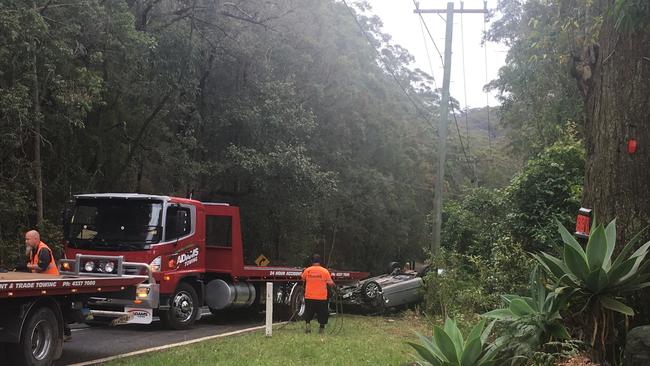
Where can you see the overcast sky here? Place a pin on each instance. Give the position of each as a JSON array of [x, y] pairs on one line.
[[406, 29]]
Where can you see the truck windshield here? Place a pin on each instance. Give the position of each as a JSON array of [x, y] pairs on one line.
[[115, 224]]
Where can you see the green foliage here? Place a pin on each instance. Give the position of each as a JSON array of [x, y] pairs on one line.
[[539, 99], [509, 268], [280, 107], [593, 275], [448, 347], [631, 15], [530, 322], [459, 289], [547, 190], [488, 232], [595, 280], [555, 351], [467, 228]]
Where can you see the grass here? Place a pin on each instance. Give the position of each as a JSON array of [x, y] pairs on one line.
[[362, 340]]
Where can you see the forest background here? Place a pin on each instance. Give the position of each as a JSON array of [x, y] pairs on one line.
[[307, 116]]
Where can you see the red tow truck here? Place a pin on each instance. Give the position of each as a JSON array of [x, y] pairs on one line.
[[36, 307], [194, 248]]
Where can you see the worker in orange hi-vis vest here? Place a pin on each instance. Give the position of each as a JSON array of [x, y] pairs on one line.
[[316, 279], [40, 256]]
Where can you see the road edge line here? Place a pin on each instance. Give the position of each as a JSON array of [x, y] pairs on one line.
[[167, 346]]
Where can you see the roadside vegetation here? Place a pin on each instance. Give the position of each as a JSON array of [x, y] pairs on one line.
[[349, 340], [284, 108]]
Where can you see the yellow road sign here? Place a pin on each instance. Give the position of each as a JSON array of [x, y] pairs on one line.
[[262, 261]]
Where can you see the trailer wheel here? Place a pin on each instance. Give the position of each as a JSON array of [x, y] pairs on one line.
[[39, 340], [184, 308]]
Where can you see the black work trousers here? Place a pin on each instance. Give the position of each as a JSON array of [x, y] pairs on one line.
[[318, 308]]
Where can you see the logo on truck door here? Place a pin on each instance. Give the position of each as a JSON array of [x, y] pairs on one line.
[[184, 257], [188, 257]]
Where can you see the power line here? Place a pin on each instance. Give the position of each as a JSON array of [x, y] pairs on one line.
[[390, 71], [426, 48], [487, 94], [462, 48], [462, 146], [429, 32]]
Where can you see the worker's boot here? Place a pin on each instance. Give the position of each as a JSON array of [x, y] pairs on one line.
[[307, 328], [321, 330]]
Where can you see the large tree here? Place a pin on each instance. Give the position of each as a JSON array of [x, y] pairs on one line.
[[617, 105]]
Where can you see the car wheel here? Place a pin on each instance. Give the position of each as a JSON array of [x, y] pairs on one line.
[[184, 308], [370, 290]]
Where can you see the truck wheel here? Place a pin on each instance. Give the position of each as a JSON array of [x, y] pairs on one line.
[[184, 308], [39, 340], [297, 303]]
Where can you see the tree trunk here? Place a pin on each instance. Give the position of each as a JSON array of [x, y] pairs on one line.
[[38, 174], [617, 112]]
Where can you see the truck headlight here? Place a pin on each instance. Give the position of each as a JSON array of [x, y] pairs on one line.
[[109, 267], [89, 266], [155, 264]]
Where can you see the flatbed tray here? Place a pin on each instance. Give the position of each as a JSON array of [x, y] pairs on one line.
[[293, 273], [24, 284]]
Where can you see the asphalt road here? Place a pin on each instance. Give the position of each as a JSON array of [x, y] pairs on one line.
[[91, 343]]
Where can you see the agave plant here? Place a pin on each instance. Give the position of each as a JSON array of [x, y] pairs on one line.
[[448, 347], [594, 279], [530, 321]]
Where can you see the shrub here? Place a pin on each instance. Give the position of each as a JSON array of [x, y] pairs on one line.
[[530, 321], [448, 347], [548, 190], [595, 282], [459, 289], [470, 225]]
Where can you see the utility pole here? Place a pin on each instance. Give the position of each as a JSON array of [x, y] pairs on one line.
[[444, 113]]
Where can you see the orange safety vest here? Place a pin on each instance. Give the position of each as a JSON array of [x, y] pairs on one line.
[[51, 268], [316, 278]]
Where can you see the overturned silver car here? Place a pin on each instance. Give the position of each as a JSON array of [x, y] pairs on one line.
[[399, 288]]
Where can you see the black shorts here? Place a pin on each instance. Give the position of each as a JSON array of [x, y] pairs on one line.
[[318, 307]]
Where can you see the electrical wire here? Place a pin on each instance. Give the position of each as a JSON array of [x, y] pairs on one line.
[[462, 50], [426, 49], [487, 94], [430, 36], [462, 146]]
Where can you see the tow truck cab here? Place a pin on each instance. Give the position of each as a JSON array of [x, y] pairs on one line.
[[169, 233]]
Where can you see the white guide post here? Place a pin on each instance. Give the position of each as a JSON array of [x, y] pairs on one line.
[[269, 309]]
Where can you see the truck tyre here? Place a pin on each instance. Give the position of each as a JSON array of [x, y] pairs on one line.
[[297, 303], [184, 308], [39, 340]]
